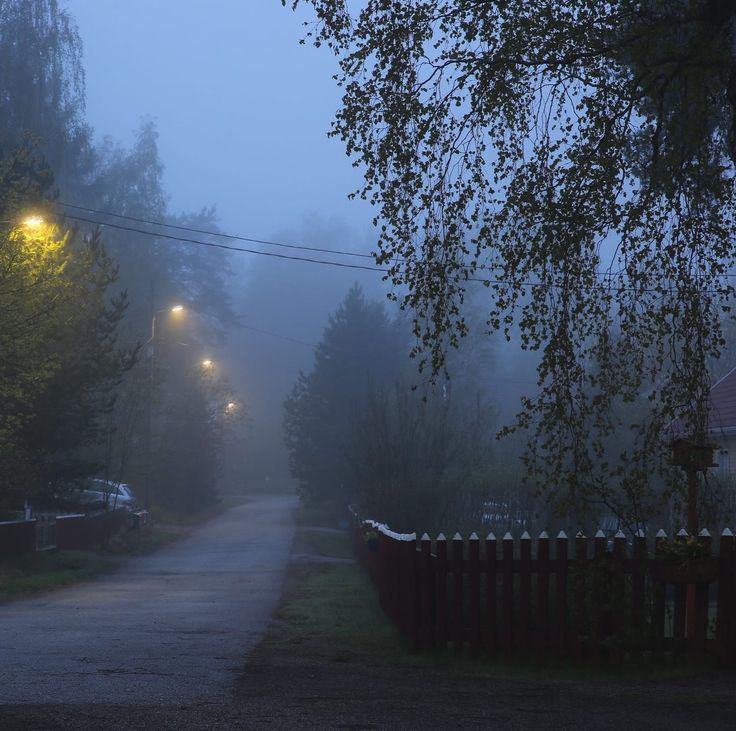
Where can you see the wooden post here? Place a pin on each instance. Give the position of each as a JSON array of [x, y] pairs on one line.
[[600, 618], [474, 593], [560, 633], [683, 610], [425, 593], [458, 624], [542, 618], [618, 619], [507, 600], [638, 584], [581, 620], [725, 630], [525, 592], [411, 591], [491, 612], [441, 586], [692, 500], [658, 604], [701, 592]]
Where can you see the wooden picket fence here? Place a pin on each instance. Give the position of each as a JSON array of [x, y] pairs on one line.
[[588, 599]]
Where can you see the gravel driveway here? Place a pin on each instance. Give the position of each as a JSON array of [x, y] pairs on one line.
[[172, 627]]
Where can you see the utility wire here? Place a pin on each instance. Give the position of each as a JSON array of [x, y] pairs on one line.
[[233, 237], [212, 244], [227, 247]]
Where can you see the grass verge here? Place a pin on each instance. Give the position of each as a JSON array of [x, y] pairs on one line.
[[330, 611], [46, 570], [52, 569]]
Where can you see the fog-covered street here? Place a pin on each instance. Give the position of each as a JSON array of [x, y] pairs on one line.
[[173, 626]]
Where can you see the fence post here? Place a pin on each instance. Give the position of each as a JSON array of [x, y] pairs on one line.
[[683, 612], [579, 590], [618, 620], [525, 592], [412, 591], [542, 593], [600, 594], [725, 634], [441, 586], [457, 593], [507, 600], [560, 635], [474, 592], [638, 584], [425, 592], [658, 604], [491, 612], [701, 592]]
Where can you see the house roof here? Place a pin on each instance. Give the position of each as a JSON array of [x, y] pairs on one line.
[[721, 409], [722, 404]]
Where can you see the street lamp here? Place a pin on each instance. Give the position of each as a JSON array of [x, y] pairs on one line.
[[207, 363], [175, 309], [33, 221]]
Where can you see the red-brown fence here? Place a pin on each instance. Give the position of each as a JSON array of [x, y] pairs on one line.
[[589, 599], [79, 531], [17, 537]]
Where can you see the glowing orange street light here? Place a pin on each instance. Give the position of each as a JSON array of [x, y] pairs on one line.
[[34, 221]]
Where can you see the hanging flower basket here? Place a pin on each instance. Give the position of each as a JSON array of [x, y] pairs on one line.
[[694, 571]]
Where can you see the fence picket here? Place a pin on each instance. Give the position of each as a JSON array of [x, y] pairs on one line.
[[457, 621], [542, 613], [658, 603], [491, 613], [442, 591], [474, 594], [425, 592], [701, 590], [560, 635], [507, 597], [598, 609], [525, 592], [638, 584]]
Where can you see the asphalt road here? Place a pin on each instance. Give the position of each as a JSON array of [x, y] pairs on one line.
[[172, 627]]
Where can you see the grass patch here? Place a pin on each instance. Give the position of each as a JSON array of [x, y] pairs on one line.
[[330, 611], [323, 515], [47, 570], [327, 543]]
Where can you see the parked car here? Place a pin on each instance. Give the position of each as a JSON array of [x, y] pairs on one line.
[[100, 493]]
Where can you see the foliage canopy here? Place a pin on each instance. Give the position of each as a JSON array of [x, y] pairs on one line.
[[577, 158]]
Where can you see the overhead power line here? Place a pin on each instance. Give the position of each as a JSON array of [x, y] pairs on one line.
[[227, 247], [323, 262], [232, 237]]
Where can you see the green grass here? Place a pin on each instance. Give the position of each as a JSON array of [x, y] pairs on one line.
[[329, 544], [47, 570], [331, 611]]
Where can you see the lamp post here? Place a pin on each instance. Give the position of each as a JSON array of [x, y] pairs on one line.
[[149, 401]]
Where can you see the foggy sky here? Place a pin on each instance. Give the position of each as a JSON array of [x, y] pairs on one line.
[[242, 108]]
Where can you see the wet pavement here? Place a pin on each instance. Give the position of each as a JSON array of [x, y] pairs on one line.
[[171, 627]]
